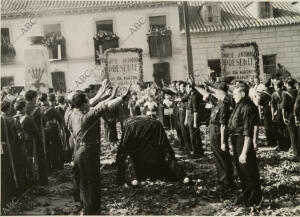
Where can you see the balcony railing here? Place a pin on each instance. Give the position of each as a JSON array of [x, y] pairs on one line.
[[56, 45], [102, 42], [8, 52], [57, 52], [160, 44]]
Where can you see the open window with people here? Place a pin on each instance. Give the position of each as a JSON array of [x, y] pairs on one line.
[[54, 41], [7, 49], [159, 37], [104, 39]]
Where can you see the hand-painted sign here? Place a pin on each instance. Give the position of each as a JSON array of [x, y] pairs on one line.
[[124, 66], [240, 60]]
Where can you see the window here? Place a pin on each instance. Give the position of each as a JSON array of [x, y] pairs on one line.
[[104, 38], [269, 62], [5, 35], [209, 14], [7, 81], [158, 22], [161, 72], [265, 9], [54, 41], [215, 66], [7, 49], [159, 37], [104, 26], [58, 81], [51, 29]]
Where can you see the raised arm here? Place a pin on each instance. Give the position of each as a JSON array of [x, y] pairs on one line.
[[101, 93], [112, 101]]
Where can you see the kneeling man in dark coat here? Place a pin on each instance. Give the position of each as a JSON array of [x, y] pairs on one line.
[[145, 152]]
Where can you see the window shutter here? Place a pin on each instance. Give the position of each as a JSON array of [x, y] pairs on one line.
[[206, 14], [7, 81], [261, 10], [264, 10], [212, 13], [269, 64], [104, 25], [58, 81], [267, 10], [215, 14], [158, 21], [50, 29]]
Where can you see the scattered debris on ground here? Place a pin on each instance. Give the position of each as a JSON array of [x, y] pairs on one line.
[[279, 175]]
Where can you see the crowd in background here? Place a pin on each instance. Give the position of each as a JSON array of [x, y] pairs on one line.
[[38, 137], [40, 131]]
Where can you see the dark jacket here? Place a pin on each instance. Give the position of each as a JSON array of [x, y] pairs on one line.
[[243, 117]]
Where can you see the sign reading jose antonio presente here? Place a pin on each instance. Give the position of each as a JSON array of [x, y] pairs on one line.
[[240, 61], [124, 66]]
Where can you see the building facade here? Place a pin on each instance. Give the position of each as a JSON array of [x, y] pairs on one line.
[[275, 27], [277, 34], [78, 24]]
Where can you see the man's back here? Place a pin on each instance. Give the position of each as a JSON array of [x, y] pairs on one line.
[[35, 112]]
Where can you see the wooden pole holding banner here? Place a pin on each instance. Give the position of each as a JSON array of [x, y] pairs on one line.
[[188, 39]]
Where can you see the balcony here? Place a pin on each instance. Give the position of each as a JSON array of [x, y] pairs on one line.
[[8, 52], [160, 43], [56, 45], [102, 42]]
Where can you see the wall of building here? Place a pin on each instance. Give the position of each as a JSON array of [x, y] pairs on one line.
[[78, 30], [284, 41]]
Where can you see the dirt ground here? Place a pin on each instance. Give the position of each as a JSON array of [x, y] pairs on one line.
[[279, 176]]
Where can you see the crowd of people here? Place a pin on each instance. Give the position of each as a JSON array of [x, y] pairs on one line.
[[39, 135], [41, 132]]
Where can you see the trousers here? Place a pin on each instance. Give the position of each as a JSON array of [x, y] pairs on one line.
[[186, 142], [269, 127], [177, 125], [222, 158], [41, 163], [248, 172], [195, 136], [54, 152], [281, 138], [111, 133], [87, 176], [295, 139]]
